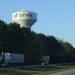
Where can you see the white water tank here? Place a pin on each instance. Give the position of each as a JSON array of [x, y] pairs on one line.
[[25, 18]]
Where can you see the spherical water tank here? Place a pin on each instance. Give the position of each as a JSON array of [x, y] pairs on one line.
[[25, 18]]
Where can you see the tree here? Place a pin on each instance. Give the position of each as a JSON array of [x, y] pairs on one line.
[[14, 38]]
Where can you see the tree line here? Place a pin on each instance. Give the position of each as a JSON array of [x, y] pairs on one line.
[[14, 38]]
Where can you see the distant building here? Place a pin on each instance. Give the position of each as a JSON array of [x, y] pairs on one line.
[[25, 18]]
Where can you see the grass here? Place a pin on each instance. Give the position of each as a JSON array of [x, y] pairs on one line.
[[9, 71], [33, 70]]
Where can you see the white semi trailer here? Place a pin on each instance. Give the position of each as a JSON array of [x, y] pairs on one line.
[[12, 58]]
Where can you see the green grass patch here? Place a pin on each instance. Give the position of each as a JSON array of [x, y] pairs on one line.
[[34, 70]]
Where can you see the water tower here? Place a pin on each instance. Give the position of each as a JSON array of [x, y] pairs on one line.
[[25, 18]]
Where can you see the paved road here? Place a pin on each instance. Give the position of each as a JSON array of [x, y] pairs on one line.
[[70, 72]]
